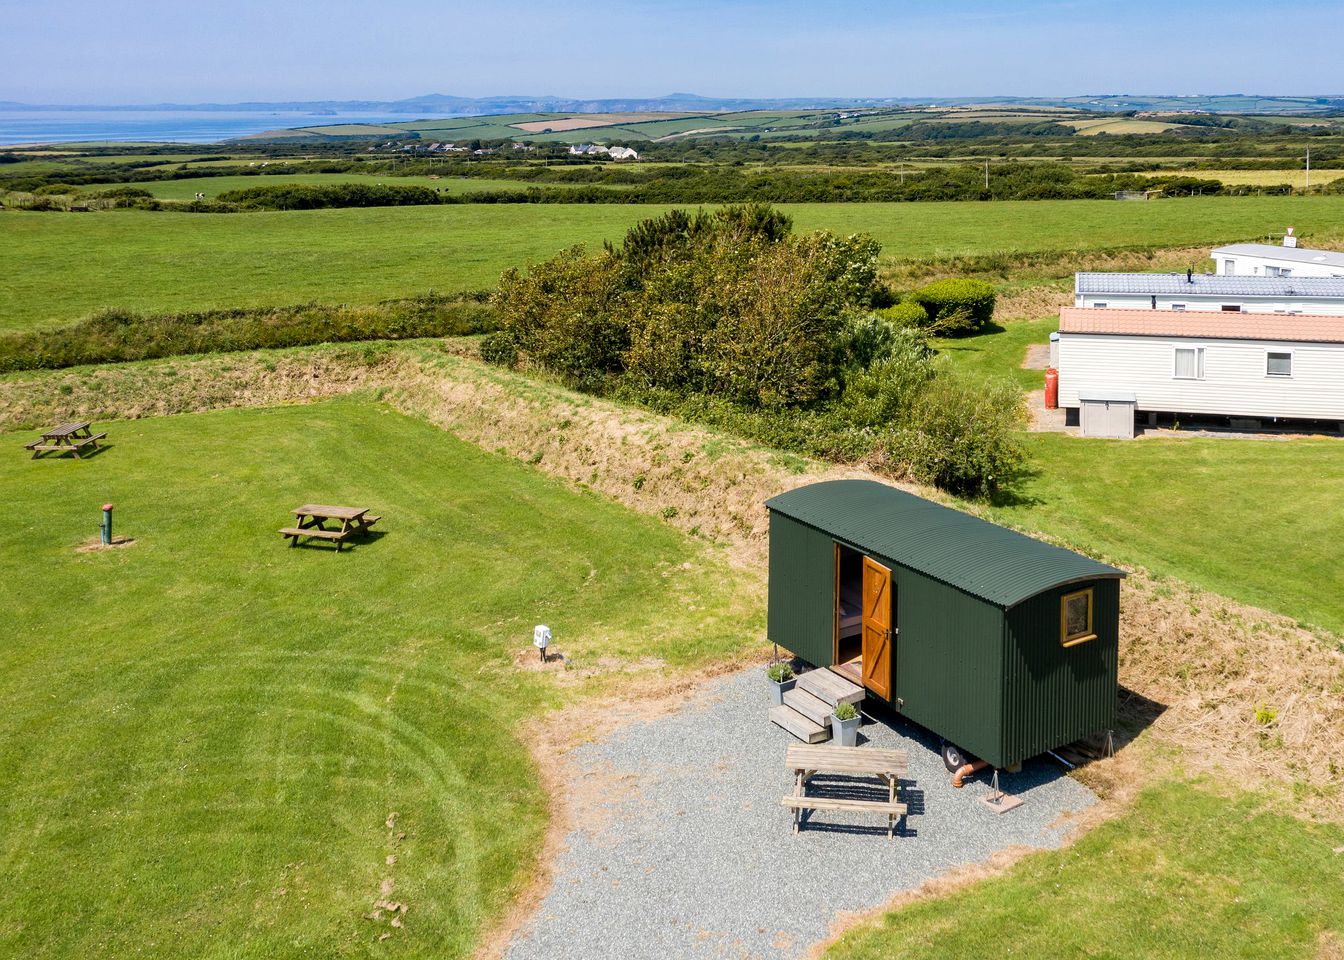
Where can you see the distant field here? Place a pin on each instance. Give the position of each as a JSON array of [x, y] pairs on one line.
[[214, 186], [1118, 125], [65, 266], [1261, 177]]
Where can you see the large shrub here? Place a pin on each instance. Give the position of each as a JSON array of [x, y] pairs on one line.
[[956, 306], [730, 303], [961, 433], [563, 314]]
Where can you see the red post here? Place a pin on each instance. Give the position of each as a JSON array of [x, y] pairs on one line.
[[1051, 389]]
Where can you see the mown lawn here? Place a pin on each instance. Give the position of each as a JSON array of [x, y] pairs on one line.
[[1000, 353], [65, 266], [1257, 520], [213, 745], [1182, 874]]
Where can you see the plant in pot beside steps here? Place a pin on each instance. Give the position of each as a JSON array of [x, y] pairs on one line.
[[781, 679], [845, 725]]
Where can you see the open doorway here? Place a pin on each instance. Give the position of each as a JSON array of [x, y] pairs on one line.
[[849, 611]]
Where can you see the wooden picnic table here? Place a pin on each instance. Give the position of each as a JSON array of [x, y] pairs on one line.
[[313, 518], [67, 438], [808, 760]]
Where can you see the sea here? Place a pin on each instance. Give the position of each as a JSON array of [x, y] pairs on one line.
[[162, 126]]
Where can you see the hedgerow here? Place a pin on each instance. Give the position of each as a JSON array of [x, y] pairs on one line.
[[120, 335]]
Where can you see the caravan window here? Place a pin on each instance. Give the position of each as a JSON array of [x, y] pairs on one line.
[[1189, 363], [1279, 363]]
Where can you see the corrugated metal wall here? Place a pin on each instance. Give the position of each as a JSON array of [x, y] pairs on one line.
[[801, 613], [948, 662], [1052, 694]]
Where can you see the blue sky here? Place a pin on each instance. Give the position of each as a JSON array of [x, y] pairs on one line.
[[96, 51]]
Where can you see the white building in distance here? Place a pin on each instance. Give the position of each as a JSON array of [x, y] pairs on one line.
[[1267, 260]]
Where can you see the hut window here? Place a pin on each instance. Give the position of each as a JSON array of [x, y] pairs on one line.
[[1075, 618]]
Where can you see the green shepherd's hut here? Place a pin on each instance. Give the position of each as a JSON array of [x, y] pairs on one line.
[[1003, 646]]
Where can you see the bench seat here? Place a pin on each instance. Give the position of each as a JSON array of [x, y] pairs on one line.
[[315, 532], [892, 810]]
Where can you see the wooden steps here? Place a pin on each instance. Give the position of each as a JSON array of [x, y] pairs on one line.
[[799, 725], [829, 687], [816, 710], [807, 708]]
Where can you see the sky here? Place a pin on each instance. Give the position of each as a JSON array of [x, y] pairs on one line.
[[147, 51]]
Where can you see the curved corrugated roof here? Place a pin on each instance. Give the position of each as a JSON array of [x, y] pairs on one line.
[[984, 559]]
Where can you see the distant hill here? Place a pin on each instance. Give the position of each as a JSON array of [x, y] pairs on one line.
[[446, 105]]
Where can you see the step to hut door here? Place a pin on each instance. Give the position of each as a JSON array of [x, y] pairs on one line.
[[877, 607]]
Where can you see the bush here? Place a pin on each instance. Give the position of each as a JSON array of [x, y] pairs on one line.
[[55, 190], [728, 303], [961, 434], [907, 313], [845, 711], [956, 306], [499, 348], [296, 196], [779, 672]]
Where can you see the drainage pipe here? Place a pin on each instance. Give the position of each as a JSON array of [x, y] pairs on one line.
[[966, 770]]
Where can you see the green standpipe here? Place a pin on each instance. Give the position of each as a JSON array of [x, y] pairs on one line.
[[107, 525]]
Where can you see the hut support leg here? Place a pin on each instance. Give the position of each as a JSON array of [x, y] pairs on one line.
[[1110, 744]]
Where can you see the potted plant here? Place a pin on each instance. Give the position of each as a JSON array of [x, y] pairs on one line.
[[781, 678], [845, 725]]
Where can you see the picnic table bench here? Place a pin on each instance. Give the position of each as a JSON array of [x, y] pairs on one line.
[[808, 760], [312, 522], [67, 438]]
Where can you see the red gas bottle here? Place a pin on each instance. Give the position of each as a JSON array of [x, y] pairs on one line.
[[1051, 388]]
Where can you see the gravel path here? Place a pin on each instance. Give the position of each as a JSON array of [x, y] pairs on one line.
[[681, 847]]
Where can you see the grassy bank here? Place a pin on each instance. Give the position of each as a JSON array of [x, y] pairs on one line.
[[214, 745], [1183, 874], [68, 265]]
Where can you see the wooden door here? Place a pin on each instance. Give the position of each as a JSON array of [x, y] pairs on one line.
[[877, 633]]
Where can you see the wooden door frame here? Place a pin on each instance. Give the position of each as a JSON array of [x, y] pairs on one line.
[[835, 609]]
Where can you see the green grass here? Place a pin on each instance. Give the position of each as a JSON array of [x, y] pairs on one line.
[[214, 186], [1183, 874], [1000, 353], [65, 266], [205, 734], [1256, 520]]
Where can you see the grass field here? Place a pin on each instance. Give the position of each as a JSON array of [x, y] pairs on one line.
[[214, 186], [1184, 873], [66, 266], [1213, 512], [216, 746]]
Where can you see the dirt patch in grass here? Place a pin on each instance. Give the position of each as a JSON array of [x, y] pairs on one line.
[[96, 545]]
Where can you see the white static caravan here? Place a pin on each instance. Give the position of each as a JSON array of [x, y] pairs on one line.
[[1245, 367], [1205, 292], [1267, 260]]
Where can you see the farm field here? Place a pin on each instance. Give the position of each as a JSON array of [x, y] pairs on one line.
[[214, 186], [237, 749], [1263, 178], [178, 261], [1183, 873]]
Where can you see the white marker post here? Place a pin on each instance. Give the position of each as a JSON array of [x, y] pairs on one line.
[[541, 639]]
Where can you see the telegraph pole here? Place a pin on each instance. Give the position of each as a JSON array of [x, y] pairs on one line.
[[1308, 166], [986, 176]]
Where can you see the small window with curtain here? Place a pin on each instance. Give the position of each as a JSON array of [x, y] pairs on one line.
[[1075, 618], [1189, 363], [1278, 363]]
